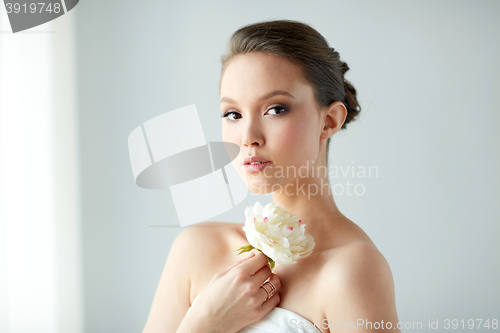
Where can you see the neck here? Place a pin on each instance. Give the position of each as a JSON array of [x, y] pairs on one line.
[[312, 201]]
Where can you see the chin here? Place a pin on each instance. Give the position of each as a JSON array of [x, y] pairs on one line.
[[259, 191], [258, 188]]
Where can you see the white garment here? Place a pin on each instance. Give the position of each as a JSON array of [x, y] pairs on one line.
[[279, 320]]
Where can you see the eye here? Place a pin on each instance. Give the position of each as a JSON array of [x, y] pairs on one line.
[[228, 114], [278, 110]]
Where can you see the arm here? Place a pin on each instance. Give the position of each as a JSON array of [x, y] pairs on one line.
[[171, 300], [231, 300], [361, 291]]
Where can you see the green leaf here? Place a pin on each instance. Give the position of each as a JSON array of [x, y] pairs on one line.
[[244, 248], [271, 262], [249, 247]]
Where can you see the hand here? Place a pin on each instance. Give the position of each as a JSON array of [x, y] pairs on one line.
[[234, 299]]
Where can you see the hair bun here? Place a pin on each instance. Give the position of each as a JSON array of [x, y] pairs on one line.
[[345, 68]]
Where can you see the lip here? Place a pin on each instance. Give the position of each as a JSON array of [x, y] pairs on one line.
[[252, 168]]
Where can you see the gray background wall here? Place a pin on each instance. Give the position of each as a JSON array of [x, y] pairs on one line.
[[428, 78]]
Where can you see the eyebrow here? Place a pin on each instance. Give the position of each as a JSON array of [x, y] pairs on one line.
[[266, 96]]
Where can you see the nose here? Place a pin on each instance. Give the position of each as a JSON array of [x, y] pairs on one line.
[[252, 135], [256, 143]]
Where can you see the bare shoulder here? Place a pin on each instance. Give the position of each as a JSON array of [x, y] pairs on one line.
[[355, 260], [360, 285], [209, 245], [193, 252], [192, 242], [208, 237]]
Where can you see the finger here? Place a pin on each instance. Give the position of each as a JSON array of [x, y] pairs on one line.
[[275, 281], [252, 266], [227, 269], [271, 303], [262, 274]]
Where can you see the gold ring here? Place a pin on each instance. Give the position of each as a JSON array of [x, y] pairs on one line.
[[269, 293]]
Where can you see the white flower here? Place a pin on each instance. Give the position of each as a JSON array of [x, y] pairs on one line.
[[277, 233]]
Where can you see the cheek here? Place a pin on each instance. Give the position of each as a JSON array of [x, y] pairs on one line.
[[296, 142], [229, 134], [224, 132]]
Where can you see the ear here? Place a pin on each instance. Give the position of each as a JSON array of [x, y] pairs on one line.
[[334, 117]]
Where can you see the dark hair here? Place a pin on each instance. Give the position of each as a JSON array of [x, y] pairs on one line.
[[306, 47]]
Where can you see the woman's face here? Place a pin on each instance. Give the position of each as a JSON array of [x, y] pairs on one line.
[[270, 112]]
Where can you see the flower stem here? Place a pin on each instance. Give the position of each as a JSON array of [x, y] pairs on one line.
[[271, 261], [244, 248], [249, 247]]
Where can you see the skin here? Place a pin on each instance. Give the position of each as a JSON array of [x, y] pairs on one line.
[[345, 279]]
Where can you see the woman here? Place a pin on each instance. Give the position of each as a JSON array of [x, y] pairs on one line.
[[283, 95]]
